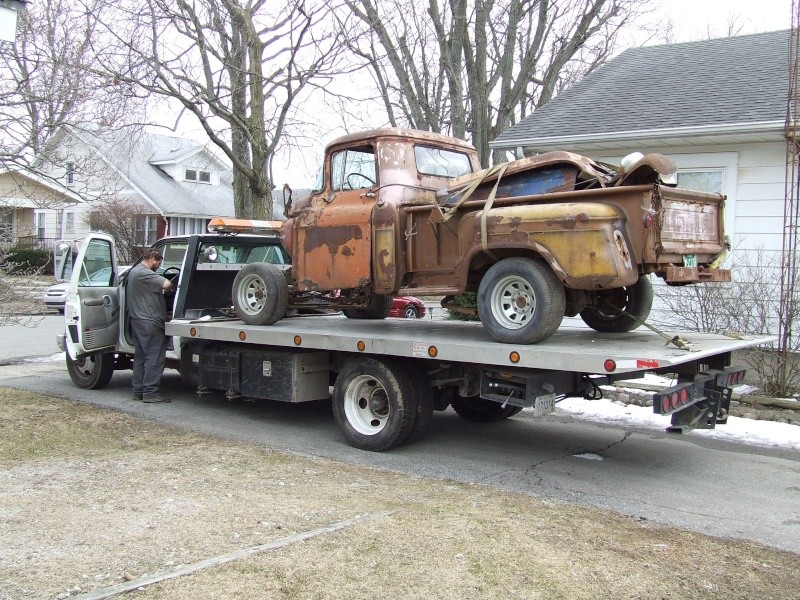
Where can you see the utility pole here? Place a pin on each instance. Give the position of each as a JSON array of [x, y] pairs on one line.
[[789, 300]]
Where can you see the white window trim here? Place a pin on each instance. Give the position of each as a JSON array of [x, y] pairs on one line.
[[198, 172], [728, 162]]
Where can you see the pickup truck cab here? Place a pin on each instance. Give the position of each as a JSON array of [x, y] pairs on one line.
[[408, 212]]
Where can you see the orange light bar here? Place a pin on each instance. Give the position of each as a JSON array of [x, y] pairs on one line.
[[230, 225]]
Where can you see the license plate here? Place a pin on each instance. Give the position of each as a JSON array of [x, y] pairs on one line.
[[689, 260]]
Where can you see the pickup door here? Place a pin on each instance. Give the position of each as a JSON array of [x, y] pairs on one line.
[[92, 310]]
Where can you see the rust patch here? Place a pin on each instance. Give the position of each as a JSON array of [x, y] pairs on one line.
[[386, 266], [333, 237]]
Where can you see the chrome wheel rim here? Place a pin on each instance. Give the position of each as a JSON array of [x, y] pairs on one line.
[[513, 302], [366, 405], [252, 294]]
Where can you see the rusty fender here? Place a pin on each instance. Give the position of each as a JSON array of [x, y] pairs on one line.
[[585, 243]]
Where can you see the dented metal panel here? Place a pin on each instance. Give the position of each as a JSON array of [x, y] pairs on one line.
[[598, 227]]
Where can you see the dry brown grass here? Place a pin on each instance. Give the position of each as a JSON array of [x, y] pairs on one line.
[[87, 494]]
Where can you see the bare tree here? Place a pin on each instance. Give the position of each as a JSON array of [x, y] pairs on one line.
[[48, 80], [237, 66], [750, 305], [472, 69], [121, 219]]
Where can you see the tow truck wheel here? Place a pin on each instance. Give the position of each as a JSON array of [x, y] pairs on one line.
[[374, 404], [379, 307], [91, 372], [260, 294], [479, 410], [521, 301], [605, 311], [424, 399]]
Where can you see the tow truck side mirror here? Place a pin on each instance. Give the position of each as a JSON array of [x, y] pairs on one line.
[[63, 260]]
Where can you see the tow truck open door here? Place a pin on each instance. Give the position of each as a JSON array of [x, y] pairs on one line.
[[92, 309]]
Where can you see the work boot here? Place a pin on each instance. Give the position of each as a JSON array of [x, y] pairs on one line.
[[156, 399], [137, 398]]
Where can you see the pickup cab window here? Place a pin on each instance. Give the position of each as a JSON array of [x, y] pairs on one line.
[[441, 163], [353, 169]]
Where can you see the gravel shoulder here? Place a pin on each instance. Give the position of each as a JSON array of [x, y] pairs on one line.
[[90, 498]]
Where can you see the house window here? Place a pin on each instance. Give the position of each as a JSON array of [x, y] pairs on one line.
[[186, 225], [6, 224], [40, 222], [146, 230], [69, 222], [198, 175], [711, 180], [70, 175]]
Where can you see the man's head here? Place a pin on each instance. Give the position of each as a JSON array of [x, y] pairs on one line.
[[152, 258]]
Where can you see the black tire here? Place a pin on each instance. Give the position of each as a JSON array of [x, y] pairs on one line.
[[521, 301], [636, 301], [260, 294], [379, 307], [424, 400], [91, 372], [410, 312], [478, 410], [374, 404]]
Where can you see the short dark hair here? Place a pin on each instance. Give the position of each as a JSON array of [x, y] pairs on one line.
[[152, 253]]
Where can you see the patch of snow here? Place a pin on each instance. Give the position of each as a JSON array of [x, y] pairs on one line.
[[589, 456], [57, 357], [747, 431]]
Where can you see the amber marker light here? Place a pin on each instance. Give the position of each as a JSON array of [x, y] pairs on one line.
[[433, 351], [242, 335], [298, 340], [192, 332], [361, 346], [514, 357]]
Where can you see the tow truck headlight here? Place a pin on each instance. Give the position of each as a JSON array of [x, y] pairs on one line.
[[210, 254]]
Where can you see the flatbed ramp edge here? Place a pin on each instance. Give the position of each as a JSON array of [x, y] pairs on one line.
[[574, 349]]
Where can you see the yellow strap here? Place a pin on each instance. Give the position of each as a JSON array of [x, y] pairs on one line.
[[486, 207], [449, 211]]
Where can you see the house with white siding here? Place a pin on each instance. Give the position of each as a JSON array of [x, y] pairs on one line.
[[718, 108], [176, 184]]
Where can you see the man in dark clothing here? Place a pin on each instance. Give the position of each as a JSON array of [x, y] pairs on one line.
[[148, 312]]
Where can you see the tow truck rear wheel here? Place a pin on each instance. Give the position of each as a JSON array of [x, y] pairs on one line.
[[619, 310], [260, 294], [91, 372], [424, 400], [521, 301], [378, 308], [374, 404], [479, 410]]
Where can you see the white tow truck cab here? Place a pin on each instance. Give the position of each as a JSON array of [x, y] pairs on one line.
[[385, 377]]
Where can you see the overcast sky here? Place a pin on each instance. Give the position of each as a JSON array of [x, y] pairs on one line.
[[691, 20]]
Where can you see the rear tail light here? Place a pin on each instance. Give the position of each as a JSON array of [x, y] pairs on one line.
[[677, 397], [730, 377]]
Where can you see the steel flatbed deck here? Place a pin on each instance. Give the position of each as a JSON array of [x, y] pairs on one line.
[[574, 349]]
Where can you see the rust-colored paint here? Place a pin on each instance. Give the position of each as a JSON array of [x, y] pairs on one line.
[[394, 236]]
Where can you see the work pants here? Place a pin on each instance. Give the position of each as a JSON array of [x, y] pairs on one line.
[[150, 355]]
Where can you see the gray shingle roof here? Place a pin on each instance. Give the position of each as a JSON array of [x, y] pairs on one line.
[[726, 81], [131, 154]]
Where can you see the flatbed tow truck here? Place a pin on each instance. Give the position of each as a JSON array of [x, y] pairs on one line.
[[385, 378]]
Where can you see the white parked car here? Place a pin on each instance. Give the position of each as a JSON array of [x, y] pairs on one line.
[[56, 295]]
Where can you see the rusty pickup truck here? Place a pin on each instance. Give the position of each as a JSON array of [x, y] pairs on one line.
[[399, 211]]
